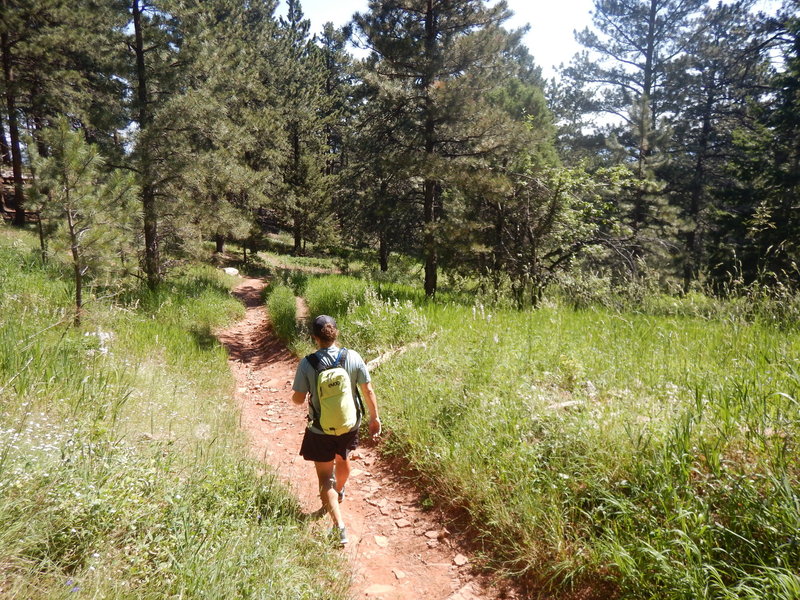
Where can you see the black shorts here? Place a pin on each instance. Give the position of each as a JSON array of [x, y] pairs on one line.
[[321, 447]]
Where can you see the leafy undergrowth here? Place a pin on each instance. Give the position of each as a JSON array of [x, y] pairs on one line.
[[122, 469], [657, 454]]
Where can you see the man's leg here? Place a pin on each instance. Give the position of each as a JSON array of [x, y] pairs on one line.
[[342, 471], [327, 491]]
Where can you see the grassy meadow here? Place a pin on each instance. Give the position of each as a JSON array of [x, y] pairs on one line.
[[647, 453], [636, 450], [123, 473]]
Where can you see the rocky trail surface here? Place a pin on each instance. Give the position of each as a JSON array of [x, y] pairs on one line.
[[397, 550]]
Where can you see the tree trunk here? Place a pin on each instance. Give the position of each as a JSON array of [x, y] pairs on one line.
[[42, 239], [649, 59], [383, 250], [219, 239], [383, 236], [152, 265], [647, 118], [13, 128], [298, 236], [76, 264], [294, 180], [5, 149], [429, 239], [429, 245], [38, 126]]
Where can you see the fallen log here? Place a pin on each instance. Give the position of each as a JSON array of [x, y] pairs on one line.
[[387, 356]]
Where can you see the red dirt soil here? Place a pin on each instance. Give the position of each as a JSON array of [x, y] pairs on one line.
[[397, 551]]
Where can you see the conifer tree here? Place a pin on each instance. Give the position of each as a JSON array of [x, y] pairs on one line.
[[61, 59], [382, 200], [306, 109], [433, 62], [631, 51], [154, 44], [760, 225], [338, 91], [725, 68], [229, 128], [634, 52], [13, 26], [91, 207], [500, 206], [647, 223]]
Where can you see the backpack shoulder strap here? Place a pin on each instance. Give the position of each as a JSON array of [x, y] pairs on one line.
[[314, 361], [360, 409], [341, 358]]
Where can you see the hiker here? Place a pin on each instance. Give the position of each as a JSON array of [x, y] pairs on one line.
[[337, 374]]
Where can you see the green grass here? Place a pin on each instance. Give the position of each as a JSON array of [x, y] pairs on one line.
[[662, 405], [282, 311], [333, 295], [123, 473], [656, 453], [310, 263]]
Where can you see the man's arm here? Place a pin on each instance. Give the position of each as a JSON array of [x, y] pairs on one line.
[[372, 406], [300, 385]]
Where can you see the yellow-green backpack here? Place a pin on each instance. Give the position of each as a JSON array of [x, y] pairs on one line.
[[339, 405]]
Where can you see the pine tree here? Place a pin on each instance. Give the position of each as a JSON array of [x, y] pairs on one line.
[[725, 67], [61, 59], [13, 26], [381, 205], [502, 202], [760, 225], [631, 52], [635, 50], [154, 45], [338, 90], [228, 128], [306, 110], [92, 208], [433, 63]]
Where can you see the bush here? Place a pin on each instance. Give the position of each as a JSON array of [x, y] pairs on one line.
[[334, 295], [374, 324], [283, 312]]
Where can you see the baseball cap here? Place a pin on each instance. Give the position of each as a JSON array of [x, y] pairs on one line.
[[320, 322]]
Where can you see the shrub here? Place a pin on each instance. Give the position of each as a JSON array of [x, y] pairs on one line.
[[334, 295], [283, 312], [374, 324]]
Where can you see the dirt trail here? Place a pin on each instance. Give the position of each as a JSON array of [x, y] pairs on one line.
[[397, 550]]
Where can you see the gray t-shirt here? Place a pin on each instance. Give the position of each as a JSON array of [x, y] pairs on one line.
[[305, 379]]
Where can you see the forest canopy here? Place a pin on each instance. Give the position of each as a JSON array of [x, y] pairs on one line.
[[666, 154]]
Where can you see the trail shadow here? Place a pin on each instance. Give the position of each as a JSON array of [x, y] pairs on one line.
[[315, 515], [255, 343], [250, 295], [203, 337]]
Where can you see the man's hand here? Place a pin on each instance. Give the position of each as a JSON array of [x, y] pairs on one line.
[[375, 428], [372, 405], [298, 397]]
